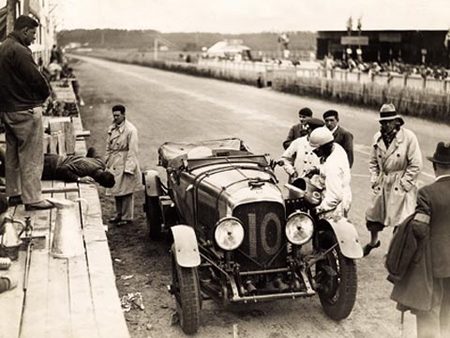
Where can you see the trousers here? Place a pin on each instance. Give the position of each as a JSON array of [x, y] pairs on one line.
[[125, 207], [436, 322], [24, 153]]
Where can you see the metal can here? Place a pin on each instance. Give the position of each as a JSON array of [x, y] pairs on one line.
[[5, 263]]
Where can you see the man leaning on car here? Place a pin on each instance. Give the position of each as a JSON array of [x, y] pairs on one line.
[[335, 170]]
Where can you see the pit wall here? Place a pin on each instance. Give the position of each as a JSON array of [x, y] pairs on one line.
[[413, 96]]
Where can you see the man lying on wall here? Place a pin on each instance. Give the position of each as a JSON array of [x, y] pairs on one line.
[[72, 168]]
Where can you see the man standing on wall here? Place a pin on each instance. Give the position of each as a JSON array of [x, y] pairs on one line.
[[122, 161], [23, 90]]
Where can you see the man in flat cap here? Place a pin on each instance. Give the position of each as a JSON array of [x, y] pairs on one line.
[[341, 136], [425, 288], [299, 157], [394, 165], [299, 129]]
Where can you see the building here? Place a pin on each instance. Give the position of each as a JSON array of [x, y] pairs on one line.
[[39, 10], [411, 46]]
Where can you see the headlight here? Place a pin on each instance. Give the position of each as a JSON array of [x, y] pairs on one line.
[[229, 233], [299, 228]]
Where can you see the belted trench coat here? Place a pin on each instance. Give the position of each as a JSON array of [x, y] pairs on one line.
[[393, 177], [122, 159]]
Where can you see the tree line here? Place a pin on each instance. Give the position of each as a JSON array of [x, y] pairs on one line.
[[144, 39]]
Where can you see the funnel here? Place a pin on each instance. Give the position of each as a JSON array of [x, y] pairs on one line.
[[67, 235]]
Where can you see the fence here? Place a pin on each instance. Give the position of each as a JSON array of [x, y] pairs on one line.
[[415, 96]]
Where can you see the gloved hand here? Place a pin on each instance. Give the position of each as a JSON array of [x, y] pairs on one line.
[[313, 171]]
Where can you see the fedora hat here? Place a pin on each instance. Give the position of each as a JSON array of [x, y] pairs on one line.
[[442, 154], [388, 112]]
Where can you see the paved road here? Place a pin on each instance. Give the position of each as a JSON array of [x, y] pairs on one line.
[[172, 107]]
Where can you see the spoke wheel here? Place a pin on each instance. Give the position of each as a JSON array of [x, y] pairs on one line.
[[153, 216], [337, 280], [186, 289]]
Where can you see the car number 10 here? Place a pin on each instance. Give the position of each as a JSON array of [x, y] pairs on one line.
[[269, 248]]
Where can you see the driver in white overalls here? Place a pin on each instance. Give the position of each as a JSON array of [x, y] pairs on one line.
[[334, 170]]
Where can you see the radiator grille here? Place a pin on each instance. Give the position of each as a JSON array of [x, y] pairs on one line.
[[264, 224]]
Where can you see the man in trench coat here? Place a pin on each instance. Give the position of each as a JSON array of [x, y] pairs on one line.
[[122, 161], [425, 289], [394, 165]]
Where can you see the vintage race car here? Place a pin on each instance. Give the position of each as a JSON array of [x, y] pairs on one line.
[[236, 239]]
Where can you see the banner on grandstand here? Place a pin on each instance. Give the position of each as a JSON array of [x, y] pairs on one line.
[[355, 40]]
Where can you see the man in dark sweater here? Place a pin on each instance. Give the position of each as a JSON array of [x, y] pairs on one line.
[[341, 136], [77, 168], [72, 168], [23, 90]]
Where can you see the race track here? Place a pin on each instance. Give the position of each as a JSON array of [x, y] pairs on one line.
[[172, 107]]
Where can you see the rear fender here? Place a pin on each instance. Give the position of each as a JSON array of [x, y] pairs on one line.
[[152, 183], [346, 235], [186, 252]]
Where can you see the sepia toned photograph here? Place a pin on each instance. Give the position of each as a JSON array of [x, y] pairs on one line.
[[224, 168]]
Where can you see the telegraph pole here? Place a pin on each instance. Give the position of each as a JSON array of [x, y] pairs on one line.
[[11, 6]]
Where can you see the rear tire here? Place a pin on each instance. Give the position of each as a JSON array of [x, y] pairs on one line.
[[154, 216], [186, 288], [337, 293]]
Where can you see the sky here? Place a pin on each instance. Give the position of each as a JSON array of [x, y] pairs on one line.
[[244, 16]]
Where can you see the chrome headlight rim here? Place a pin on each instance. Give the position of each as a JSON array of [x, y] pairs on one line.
[[289, 223], [218, 229]]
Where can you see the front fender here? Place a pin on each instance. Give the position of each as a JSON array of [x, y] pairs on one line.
[[186, 252], [347, 237], [152, 183]]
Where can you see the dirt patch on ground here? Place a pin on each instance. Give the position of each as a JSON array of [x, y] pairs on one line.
[[139, 266]]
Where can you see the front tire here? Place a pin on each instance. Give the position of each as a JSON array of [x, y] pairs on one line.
[[337, 279], [153, 216], [186, 288]]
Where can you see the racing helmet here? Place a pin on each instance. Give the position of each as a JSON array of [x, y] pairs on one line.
[[320, 136]]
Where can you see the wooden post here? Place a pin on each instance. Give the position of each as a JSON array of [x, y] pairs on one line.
[[70, 139], [10, 15], [46, 143], [61, 143]]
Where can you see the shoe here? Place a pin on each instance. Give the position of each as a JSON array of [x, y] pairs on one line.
[[368, 248], [114, 219], [41, 205], [14, 200], [123, 222], [7, 283]]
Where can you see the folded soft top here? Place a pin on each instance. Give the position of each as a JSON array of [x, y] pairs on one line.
[[172, 154]]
